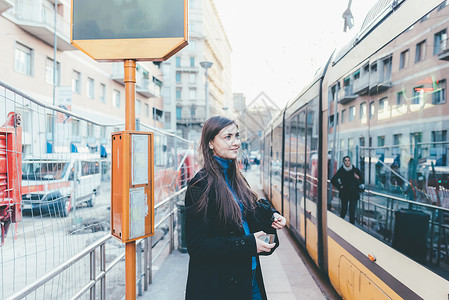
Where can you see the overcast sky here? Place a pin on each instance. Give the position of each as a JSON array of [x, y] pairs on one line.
[[278, 45]]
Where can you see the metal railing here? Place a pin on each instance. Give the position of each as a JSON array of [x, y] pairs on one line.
[[101, 244], [50, 254]]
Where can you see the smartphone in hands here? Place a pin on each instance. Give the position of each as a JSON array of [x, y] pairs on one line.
[[267, 238]]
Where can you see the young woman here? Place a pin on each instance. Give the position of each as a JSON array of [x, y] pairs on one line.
[[225, 222]]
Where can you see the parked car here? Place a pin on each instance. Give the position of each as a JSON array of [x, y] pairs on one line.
[[57, 183], [254, 157]]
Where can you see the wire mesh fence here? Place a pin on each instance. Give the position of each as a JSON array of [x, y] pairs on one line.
[[55, 184]]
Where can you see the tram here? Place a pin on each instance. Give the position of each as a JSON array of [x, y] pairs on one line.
[[382, 100]]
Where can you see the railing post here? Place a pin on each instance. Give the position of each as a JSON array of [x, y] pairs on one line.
[[103, 270], [150, 260], [92, 274], [145, 263], [139, 268], [171, 226]]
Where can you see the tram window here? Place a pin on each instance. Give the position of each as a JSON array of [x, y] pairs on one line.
[[420, 51]]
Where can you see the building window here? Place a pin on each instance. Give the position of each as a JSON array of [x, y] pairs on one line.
[[192, 111], [138, 105], [178, 61], [192, 46], [178, 93], [362, 110], [403, 60], [116, 99], [49, 71], [343, 116], [443, 5], [439, 136], [397, 139], [351, 113], [439, 42], [178, 113], [49, 125], [192, 94], [75, 128], [372, 110], [439, 95], [167, 119], [102, 93], [90, 130], [23, 59], [381, 141], [147, 110], [76, 82], [331, 121], [192, 62], [418, 94], [192, 78], [400, 98], [178, 77], [420, 51], [383, 103], [90, 88]]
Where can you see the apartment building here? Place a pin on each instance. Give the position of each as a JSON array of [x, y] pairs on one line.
[[184, 89], [91, 89]]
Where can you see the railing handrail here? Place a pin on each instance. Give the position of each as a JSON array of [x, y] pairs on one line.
[[407, 201], [67, 112], [86, 251], [58, 270]]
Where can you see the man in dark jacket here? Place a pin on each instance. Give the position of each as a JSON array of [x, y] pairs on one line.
[[349, 182]]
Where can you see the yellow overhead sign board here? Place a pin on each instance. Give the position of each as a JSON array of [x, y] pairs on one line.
[[115, 30]]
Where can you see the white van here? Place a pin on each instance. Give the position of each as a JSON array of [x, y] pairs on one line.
[[57, 182]]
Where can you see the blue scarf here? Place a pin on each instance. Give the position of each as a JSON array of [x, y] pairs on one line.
[[225, 165]]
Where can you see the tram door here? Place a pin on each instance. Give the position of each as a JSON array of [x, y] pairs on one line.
[[301, 178], [311, 179], [293, 174]]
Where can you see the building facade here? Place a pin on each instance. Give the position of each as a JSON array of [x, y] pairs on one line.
[[91, 89], [184, 89]]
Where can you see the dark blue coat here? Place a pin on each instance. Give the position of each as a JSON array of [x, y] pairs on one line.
[[220, 258]]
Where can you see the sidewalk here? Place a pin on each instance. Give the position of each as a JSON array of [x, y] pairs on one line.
[[285, 275]]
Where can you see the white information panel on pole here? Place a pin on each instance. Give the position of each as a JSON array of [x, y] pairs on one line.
[[138, 210], [139, 159]]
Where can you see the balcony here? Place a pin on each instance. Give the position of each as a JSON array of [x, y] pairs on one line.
[[443, 54], [5, 5], [188, 69], [118, 72], [379, 82], [147, 88], [361, 84], [190, 121], [346, 95], [37, 18]]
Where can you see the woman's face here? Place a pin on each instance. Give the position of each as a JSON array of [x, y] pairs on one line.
[[226, 143]]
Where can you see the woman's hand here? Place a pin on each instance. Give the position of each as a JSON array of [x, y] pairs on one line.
[[261, 245], [279, 221]]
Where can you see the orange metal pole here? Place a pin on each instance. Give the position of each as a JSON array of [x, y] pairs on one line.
[[130, 124], [130, 94]]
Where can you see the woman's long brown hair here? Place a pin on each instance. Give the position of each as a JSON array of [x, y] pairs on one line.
[[227, 211]]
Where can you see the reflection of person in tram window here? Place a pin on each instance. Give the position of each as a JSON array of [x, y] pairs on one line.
[[349, 181]]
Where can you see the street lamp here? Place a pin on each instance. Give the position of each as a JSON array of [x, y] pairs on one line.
[[206, 65]]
